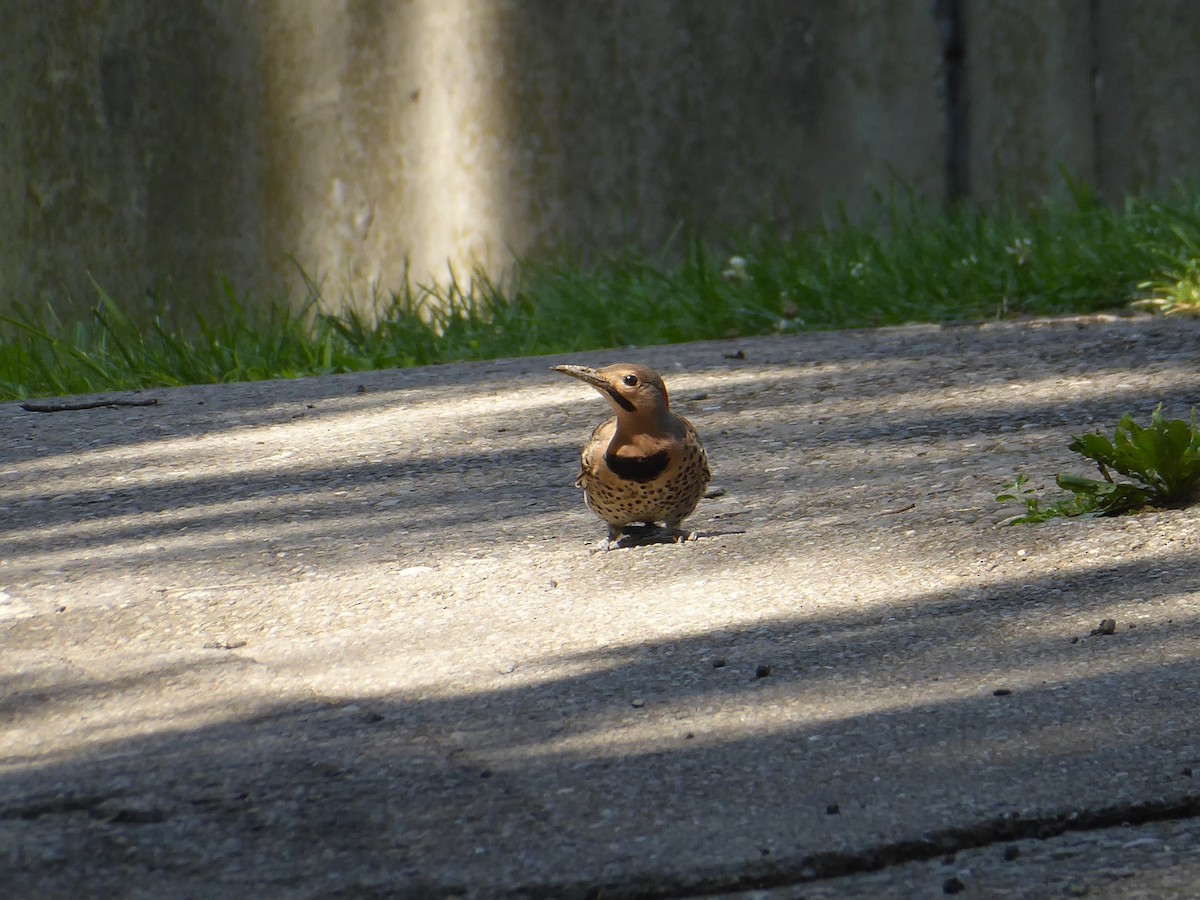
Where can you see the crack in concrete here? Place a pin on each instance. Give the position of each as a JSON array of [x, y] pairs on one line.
[[834, 864], [63, 804]]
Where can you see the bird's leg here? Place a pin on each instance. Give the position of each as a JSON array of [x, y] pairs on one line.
[[614, 538], [679, 535]]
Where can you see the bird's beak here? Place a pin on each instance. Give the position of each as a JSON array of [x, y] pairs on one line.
[[585, 374]]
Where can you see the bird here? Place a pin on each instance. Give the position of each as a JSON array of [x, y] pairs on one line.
[[644, 465]]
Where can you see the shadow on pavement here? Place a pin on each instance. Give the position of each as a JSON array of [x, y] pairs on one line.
[[796, 743], [652, 769]]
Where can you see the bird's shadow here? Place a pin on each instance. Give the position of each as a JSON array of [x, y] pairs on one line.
[[649, 535]]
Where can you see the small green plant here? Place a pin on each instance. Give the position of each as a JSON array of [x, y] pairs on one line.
[[1163, 460], [1036, 509]]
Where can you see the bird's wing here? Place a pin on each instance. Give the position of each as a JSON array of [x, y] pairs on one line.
[[594, 449], [692, 436]]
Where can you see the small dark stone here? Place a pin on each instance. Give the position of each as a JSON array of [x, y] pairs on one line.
[[719, 663], [689, 736], [832, 809], [486, 773], [372, 717], [703, 395], [361, 389], [224, 645], [953, 885], [60, 609], [737, 354], [1011, 852], [1001, 692], [1074, 640], [762, 671], [1187, 771], [311, 405], [1106, 626]]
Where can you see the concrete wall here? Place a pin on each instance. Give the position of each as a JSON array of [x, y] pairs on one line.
[[1148, 93], [146, 141], [431, 130], [1029, 71], [130, 138]]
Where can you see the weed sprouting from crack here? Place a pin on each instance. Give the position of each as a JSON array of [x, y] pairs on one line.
[[1163, 461]]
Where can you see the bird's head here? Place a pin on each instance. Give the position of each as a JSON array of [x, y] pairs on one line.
[[634, 392]]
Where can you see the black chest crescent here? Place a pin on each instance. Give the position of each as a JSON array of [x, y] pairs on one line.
[[638, 468]]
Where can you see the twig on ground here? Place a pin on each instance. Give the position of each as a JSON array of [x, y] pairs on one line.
[[112, 402]]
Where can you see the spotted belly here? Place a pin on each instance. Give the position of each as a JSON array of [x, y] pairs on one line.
[[648, 490]]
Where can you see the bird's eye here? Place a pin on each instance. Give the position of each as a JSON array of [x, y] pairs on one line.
[[630, 380]]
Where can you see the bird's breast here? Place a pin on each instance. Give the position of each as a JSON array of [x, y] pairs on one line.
[[640, 469]]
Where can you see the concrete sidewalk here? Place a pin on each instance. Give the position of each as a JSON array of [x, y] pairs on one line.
[[343, 637]]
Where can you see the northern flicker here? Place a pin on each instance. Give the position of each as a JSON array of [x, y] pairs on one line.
[[645, 464]]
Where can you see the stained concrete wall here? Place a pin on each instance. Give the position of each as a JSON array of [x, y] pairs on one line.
[[148, 141], [1148, 93], [428, 131], [1029, 71], [129, 146], [1108, 89]]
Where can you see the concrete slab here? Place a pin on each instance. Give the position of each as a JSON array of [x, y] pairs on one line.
[[344, 636]]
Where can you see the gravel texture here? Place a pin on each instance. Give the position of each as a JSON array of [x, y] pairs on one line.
[[345, 637]]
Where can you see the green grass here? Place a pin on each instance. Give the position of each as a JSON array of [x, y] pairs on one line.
[[908, 261]]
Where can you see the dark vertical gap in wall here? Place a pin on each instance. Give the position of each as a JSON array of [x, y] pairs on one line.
[[949, 15], [1095, 97]]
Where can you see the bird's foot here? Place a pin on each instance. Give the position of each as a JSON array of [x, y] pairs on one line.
[[637, 535], [611, 542], [631, 535]]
